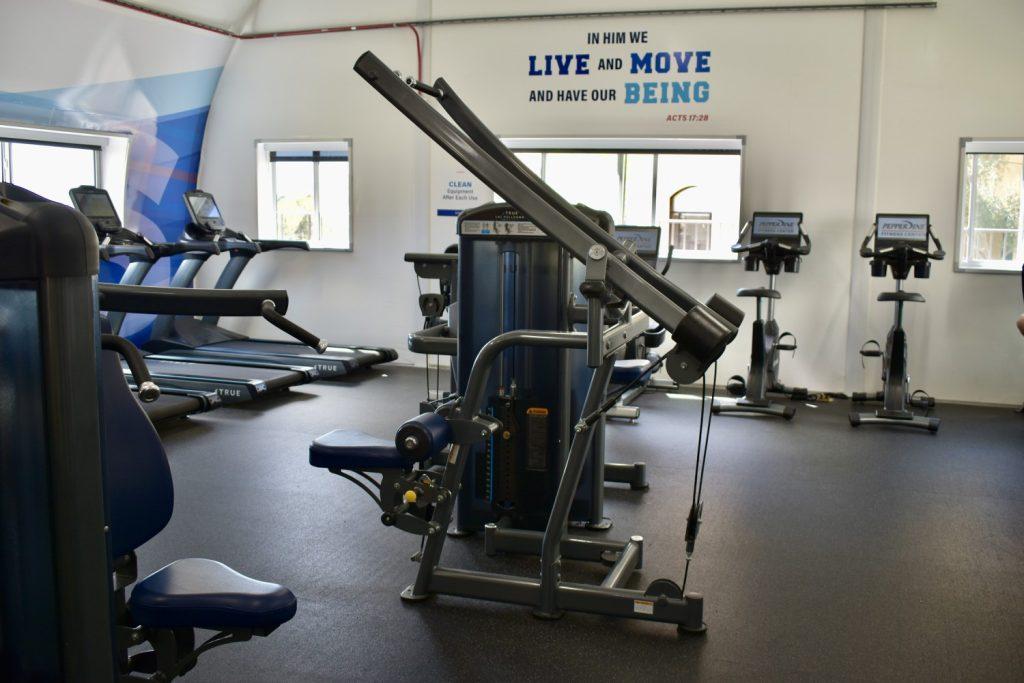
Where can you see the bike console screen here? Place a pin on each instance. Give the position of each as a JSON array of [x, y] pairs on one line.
[[784, 227], [646, 238], [896, 228]]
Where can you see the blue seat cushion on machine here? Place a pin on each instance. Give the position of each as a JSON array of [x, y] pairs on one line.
[[626, 371], [347, 449], [199, 593]]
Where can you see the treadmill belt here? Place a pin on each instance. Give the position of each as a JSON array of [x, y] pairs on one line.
[[274, 379]]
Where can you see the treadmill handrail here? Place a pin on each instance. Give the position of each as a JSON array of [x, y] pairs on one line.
[[271, 245], [193, 301]]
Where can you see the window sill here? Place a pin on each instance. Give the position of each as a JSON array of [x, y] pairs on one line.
[[988, 270]]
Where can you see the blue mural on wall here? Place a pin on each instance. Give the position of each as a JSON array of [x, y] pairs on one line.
[[166, 118]]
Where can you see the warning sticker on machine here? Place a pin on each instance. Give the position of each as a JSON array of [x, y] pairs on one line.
[[643, 606], [511, 228]]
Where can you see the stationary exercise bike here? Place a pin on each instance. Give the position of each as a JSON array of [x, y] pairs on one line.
[[901, 244], [777, 241]]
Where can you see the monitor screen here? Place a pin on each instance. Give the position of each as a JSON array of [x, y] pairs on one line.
[[776, 225], [204, 207], [95, 205], [902, 227], [645, 238]]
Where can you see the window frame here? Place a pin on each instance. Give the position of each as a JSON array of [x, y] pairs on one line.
[[619, 144], [266, 183], [958, 263], [111, 151]]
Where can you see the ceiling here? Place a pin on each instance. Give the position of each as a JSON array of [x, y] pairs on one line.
[[274, 16]]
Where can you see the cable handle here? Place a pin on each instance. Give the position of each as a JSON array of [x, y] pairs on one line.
[[148, 390], [269, 311]]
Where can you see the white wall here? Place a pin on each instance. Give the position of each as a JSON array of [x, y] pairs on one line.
[[790, 82], [951, 73], [297, 88], [776, 100]]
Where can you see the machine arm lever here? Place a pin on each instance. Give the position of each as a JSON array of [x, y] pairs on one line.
[[189, 301], [269, 311], [424, 88]]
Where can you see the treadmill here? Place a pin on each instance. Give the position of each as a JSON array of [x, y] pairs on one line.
[[229, 382], [203, 337]]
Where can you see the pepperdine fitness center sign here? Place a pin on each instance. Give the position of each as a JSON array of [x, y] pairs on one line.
[[672, 77]]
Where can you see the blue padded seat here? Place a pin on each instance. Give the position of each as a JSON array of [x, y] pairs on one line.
[[199, 593], [348, 449], [626, 371]]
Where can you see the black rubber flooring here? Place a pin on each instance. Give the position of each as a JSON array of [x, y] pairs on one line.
[[826, 552]]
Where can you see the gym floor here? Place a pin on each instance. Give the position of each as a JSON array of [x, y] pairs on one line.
[[826, 552]]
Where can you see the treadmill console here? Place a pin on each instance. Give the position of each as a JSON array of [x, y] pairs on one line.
[[647, 238], [203, 211], [95, 203], [784, 227]]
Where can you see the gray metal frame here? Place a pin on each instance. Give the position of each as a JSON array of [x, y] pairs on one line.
[[760, 379], [547, 594], [895, 395], [700, 331]]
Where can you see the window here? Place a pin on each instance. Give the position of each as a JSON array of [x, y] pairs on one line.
[[689, 187], [304, 193], [51, 161], [991, 209], [47, 168]]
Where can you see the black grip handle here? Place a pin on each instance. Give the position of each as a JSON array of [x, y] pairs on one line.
[[139, 251], [196, 247], [189, 301], [239, 244], [269, 311], [865, 250], [271, 245], [148, 390], [433, 259]]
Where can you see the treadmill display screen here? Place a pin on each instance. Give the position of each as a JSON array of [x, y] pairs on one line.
[[776, 225], [204, 207], [96, 205], [902, 228]]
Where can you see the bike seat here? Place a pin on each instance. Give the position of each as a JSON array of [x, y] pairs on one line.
[[759, 292], [901, 296]]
